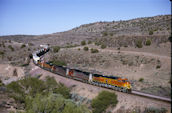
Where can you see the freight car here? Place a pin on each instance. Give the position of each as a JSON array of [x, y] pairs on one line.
[[116, 83]]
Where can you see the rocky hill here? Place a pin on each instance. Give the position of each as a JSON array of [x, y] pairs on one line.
[[113, 34]]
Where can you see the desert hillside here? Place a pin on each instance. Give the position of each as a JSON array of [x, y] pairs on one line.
[[138, 49]]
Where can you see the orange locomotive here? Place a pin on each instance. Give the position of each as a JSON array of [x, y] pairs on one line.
[[116, 83]]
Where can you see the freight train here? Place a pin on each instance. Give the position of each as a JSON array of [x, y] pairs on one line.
[[112, 82]]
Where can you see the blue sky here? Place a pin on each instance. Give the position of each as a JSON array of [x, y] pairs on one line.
[[34, 17]]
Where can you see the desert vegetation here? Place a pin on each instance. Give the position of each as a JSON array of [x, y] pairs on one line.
[[34, 95], [103, 101], [56, 49], [94, 50]]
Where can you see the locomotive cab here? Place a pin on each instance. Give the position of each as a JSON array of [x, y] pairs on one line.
[[127, 84]]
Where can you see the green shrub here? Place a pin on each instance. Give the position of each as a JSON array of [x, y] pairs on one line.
[[30, 44], [70, 46], [86, 48], [94, 50], [89, 42], [83, 43], [63, 90], [97, 43], [59, 62], [111, 34], [44, 96], [52, 103], [150, 32], [10, 47], [50, 83], [1, 83], [56, 49], [158, 66], [103, 101], [139, 44], [155, 110], [1, 53], [148, 42], [141, 79], [23, 46], [103, 46], [105, 33], [79, 49]]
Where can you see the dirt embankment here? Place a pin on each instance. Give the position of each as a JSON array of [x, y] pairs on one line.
[[9, 73]]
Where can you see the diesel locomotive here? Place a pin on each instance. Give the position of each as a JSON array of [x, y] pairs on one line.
[[112, 82]]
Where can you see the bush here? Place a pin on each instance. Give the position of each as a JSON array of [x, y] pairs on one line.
[[79, 49], [56, 49], [151, 32], [148, 42], [97, 43], [63, 90], [43, 96], [111, 34], [31, 86], [105, 33], [158, 66], [52, 103], [83, 42], [89, 42], [155, 110], [59, 63], [30, 44], [94, 50], [103, 101], [23, 46], [85, 48], [10, 47], [1, 53], [1, 83], [141, 79], [103, 46], [139, 44]]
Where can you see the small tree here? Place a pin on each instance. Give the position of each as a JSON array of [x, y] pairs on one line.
[[141, 79], [23, 46], [105, 33], [10, 47], [148, 42], [86, 48], [103, 46], [150, 32], [94, 50], [111, 34], [56, 49], [89, 42], [1, 53], [139, 44], [83, 42]]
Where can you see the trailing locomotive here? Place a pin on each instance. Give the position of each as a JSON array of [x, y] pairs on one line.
[[116, 83]]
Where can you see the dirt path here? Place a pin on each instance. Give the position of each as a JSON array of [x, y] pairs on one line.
[[131, 52], [89, 91]]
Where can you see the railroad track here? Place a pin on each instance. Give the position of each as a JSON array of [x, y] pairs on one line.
[[133, 92]]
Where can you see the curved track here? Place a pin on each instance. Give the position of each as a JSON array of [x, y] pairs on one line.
[[138, 93], [150, 96]]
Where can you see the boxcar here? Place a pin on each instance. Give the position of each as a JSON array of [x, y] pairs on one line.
[[77, 74]]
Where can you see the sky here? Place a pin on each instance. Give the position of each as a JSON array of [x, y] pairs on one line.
[[35, 17]]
